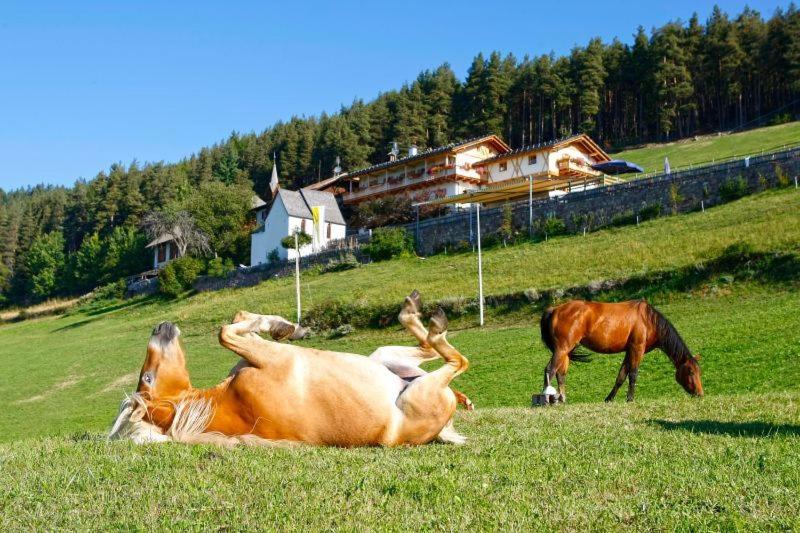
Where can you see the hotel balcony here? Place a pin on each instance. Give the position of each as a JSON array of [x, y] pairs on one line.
[[449, 173], [572, 167]]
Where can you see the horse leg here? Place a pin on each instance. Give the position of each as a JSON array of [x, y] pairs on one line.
[[428, 403], [636, 354], [561, 377], [621, 377], [242, 338], [410, 318]]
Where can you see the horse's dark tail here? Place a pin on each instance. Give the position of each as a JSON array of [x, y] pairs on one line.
[[546, 327], [669, 340], [577, 355]]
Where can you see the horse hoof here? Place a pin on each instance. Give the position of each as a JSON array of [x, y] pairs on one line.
[[438, 322]]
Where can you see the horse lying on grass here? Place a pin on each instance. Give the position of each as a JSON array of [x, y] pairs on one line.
[[634, 327], [282, 394]]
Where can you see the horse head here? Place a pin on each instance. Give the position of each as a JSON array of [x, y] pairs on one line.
[[688, 375], [164, 371]]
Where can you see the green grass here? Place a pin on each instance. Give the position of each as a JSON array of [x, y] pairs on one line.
[[727, 461], [707, 148], [720, 463]]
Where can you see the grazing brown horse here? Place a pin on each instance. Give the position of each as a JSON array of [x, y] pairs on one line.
[[634, 327], [282, 393]]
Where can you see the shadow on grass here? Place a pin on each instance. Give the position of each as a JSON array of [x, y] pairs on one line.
[[733, 429], [97, 314]]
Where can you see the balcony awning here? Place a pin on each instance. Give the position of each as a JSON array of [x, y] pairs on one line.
[[519, 188], [617, 166]]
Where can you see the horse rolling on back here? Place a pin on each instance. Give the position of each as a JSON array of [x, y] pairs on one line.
[[633, 327]]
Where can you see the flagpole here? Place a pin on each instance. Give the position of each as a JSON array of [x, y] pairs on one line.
[[480, 264], [297, 274]]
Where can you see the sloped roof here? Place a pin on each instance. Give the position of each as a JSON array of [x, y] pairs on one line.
[[256, 202], [299, 203], [598, 152], [166, 237], [427, 153]]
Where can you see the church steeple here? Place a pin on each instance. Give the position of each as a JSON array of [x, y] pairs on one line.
[[273, 182]]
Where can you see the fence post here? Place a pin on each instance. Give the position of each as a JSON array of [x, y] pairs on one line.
[[530, 206], [480, 265], [702, 206], [416, 230], [297, 274]]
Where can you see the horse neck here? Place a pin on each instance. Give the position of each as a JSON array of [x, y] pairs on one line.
[[162, 410], [668, 338]]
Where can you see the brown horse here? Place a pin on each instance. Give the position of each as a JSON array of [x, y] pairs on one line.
[[634, 327], [282, 393]]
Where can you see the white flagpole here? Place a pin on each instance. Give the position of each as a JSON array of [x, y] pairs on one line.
[[297, 274], [480, 265]]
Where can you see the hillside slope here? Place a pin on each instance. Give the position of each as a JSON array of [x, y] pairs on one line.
[[67, 374], [712, 147]]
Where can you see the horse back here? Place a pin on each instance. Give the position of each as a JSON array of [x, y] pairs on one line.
[[600, 326]]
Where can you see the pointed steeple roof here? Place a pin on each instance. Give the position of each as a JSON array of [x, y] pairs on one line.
[[273, 182]]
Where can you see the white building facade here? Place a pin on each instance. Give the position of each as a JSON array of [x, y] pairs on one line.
[[314, 213]]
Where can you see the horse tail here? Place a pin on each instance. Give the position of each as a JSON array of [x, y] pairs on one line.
[[546, 327], [669, 340]]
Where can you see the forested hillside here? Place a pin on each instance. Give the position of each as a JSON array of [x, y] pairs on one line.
[[678, 80]]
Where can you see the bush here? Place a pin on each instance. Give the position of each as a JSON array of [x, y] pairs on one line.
[[273, 257], [554, 226], [218, 268], [781, 176], [387, 243], [733, 189], [110, 291], [341, 331], [348, 262], [178, 276]]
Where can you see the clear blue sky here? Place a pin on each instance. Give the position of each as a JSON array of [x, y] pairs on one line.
[[86, 83]]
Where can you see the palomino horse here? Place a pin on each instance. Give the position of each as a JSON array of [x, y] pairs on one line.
[[281, 393], [634, 327]]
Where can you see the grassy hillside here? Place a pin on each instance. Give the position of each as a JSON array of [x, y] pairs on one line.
[[704, 149], [727, 461], [66, 374], [720, 463]]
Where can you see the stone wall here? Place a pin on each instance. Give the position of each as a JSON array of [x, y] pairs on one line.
[[679, 192], [247, 277]]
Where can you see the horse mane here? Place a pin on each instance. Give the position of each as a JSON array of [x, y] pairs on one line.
[[669, 340], [192, 416]]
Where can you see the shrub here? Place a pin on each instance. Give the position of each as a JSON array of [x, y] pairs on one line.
[[110, 291], [218, 268], [177, 276], [273, 257], [348, 262], [554, 226], [675, 197], [650, 211], [341, 331], [387, 243], [733, 189], [781, 176]]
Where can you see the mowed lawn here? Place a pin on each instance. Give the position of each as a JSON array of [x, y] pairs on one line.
[[728, 461], [69, 373], [707, 148], [725, 462]]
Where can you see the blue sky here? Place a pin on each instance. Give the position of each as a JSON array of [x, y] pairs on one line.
[[86, 84]]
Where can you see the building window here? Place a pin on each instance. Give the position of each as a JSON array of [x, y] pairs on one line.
[[303, 225], [328, 233], [162, 252], [503, 167], [532, 159], [263, 215]]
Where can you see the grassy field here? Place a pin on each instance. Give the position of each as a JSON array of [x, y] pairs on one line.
[[720, 463], [704, 149], [727, 461]]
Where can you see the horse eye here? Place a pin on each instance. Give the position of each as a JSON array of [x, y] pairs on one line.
[[147, 378]]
